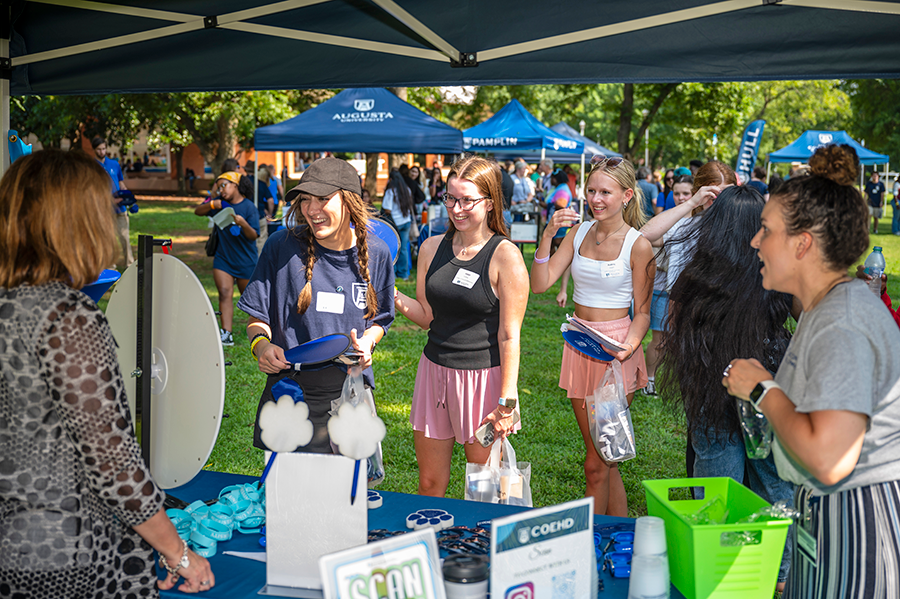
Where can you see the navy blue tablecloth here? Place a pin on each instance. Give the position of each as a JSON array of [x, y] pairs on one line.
[[239, 578]]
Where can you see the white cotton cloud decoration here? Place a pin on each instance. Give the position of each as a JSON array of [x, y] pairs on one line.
[[356, 431], [285, 425]]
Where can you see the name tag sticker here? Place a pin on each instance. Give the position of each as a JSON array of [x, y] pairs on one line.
[[609, 270], [465, 278], [333, 303]]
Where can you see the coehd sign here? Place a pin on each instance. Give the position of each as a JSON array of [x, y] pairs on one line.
[[543, 528], [363, 114]]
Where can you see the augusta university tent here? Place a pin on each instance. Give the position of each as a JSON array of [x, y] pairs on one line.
[[513, 130], [370, 119], [806, 145]]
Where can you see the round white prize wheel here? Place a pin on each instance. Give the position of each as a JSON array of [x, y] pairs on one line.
[[188, 367]]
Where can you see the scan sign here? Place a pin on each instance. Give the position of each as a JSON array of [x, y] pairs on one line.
[[406, 566], [545, 553]]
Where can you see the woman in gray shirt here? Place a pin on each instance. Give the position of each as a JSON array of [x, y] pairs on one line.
[[834, 402]]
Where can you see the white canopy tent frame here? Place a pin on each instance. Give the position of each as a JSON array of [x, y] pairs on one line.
[[444, 52]]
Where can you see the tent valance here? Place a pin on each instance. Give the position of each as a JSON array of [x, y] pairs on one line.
[[513, 129], [806, 145], [368, 119]]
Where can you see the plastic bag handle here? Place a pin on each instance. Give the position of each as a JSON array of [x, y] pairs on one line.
[[494, 459], [509, 454]]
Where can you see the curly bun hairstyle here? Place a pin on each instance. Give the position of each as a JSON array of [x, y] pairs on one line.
[[826, 204]]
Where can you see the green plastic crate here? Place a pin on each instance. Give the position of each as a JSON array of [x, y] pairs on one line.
[[699, 565]]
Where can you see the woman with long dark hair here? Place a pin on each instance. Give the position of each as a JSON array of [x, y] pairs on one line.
[[718, 309], [398, 204], [835, 402]]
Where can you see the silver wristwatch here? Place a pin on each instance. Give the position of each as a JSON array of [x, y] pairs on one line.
[[184, 563], [508, 402]]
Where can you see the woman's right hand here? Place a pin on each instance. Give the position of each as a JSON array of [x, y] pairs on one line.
[[705, 196], [560, 220], [271, 358], [198, 576]]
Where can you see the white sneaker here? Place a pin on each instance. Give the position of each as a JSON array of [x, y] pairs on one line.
[[650, 389], [227, 337]]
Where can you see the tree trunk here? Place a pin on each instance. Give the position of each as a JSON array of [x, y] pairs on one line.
[[623, 146], [178, 153], [371, 183], [395, 160]]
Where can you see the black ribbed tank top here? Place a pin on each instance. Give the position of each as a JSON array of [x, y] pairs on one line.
[[463, 334]]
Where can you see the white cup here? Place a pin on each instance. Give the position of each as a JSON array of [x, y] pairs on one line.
[[650, 536], [649, 578]]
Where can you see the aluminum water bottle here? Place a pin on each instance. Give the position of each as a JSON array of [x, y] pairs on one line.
[[874, 267]]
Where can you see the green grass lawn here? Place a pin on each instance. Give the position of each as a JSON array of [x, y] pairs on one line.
[[549, 438]]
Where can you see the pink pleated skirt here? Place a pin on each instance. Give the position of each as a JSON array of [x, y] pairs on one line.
[[580, 374], [452, 403]]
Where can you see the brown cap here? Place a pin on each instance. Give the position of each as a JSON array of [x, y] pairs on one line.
[[324, 177]]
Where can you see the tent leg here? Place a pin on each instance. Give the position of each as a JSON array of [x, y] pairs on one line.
[[581, 191], [4, 88], [256, 178]]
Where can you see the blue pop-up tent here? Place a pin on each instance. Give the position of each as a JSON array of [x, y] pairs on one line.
[[369, 119], [514, 130], [806, 145], [591, 148]]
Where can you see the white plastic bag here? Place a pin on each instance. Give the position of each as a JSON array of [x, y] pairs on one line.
[[355, 392], [502, 480], [609, 417]]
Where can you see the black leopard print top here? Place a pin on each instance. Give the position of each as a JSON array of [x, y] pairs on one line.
[[72, 480]]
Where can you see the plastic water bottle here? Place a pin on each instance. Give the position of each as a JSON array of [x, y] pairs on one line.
[[874, 267]]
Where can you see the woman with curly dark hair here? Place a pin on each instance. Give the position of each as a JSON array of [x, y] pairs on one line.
[[718, 309], [834, 402]]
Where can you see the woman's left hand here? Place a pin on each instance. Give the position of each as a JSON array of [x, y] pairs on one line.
[[503, 421], [626, 353], [741, 377], [364, 345]]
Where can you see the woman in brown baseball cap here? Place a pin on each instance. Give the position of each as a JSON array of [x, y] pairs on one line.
[[324, 274]]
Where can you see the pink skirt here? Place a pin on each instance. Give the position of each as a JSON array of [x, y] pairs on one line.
[[580, 374], [452, 403]]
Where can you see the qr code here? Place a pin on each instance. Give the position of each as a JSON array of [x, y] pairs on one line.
[[564, 585]]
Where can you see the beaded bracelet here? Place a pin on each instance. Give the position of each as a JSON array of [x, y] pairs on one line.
[[542, 260]]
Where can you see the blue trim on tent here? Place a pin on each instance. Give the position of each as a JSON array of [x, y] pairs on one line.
[[805, 145], [361, 120]]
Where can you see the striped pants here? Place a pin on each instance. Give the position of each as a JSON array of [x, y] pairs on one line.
[[857, 544]]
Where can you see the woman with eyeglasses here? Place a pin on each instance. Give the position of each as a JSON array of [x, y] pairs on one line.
[[471, 298], [668, 184], [236, 254], [612, 265]]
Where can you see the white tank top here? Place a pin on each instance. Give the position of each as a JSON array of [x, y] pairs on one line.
[[603, 283]]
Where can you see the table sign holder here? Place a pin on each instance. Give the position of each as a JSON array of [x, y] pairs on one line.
[[308, 515], [405, 566], [546, 552]]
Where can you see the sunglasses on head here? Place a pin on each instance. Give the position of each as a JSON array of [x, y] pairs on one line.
[[604, 160]]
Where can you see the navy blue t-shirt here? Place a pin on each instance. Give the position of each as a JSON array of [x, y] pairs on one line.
[[875, 193], [264, 196], [338, 291], [759, 186], [236, 254], [665, 200]]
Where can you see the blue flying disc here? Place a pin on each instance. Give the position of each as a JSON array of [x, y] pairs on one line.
[[106, 279], [584, 344], [318, 350], [387, 234]]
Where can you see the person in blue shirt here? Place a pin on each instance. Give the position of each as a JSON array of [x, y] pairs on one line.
[[875, 194], [325, 274], [114, 171], [235, 257]]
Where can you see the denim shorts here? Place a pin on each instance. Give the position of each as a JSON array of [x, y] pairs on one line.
[[659, 310]]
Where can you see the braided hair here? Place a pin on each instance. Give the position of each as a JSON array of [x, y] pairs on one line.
[[359, 216]]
